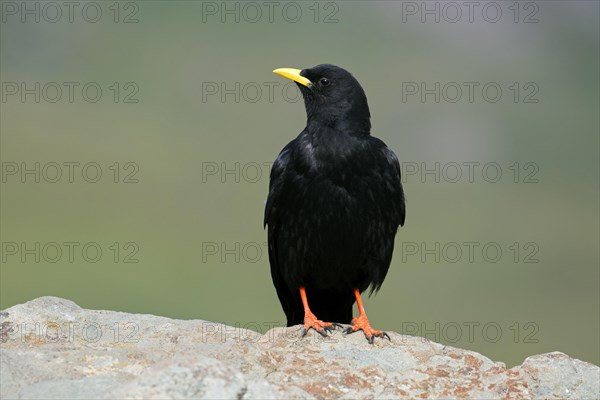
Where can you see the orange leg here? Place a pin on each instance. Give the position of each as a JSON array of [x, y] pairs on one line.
[[311, 321], [362, 322]]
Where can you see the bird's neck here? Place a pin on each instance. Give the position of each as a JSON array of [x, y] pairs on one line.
[[339, 126], [328, 145]]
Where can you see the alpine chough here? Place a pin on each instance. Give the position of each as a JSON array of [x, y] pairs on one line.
[[335, 203]]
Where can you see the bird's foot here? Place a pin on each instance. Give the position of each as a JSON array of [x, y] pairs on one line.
[[362, 324], [323, 328]]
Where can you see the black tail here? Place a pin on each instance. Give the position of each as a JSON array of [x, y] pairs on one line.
[[327, 305]]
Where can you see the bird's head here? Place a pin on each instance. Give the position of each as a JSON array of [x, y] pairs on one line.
[[332, 96]]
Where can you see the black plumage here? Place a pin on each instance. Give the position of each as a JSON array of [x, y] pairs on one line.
[[335, 202]]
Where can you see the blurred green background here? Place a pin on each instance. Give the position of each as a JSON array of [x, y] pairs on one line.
[[194, 217]]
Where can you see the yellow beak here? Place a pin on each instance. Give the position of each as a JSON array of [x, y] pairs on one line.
[[293, 74]]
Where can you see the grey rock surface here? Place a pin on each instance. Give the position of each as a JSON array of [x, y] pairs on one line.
[[52, 348]]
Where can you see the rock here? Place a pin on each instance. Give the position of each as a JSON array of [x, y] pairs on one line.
[[51, 348]]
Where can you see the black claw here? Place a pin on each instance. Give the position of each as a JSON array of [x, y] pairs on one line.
[[321, 332], [385, 335], [347, 331], [371, 339]]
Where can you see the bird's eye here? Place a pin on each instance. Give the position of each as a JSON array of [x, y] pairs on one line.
[[324, 81]]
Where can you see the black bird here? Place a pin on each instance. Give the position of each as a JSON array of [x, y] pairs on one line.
[[335, 203]]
